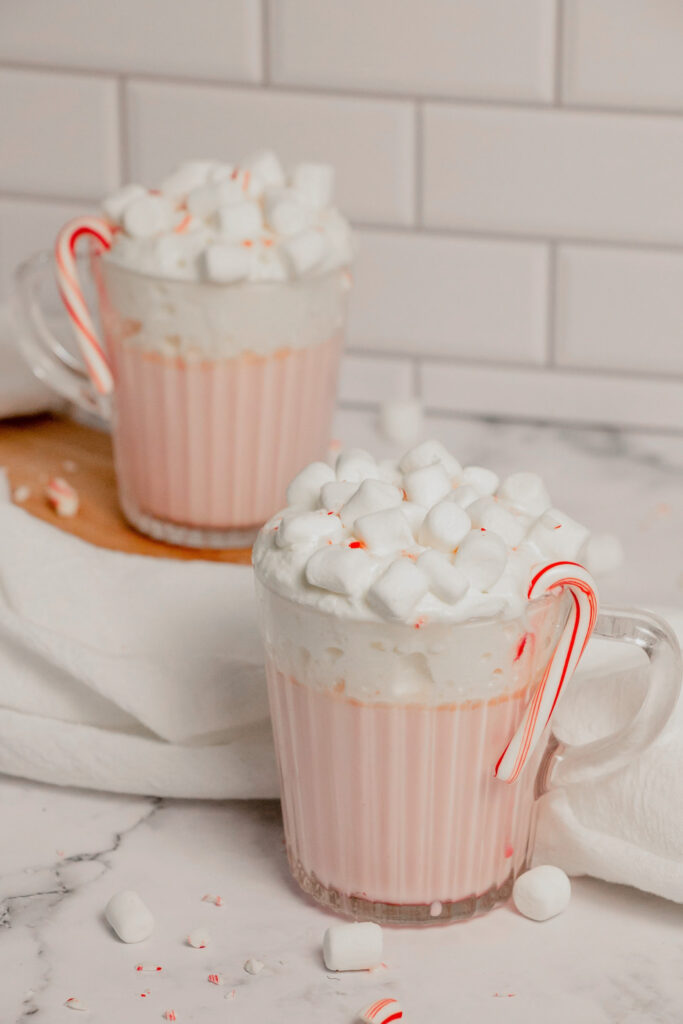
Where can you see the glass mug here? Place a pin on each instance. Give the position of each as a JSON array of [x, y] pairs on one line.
[[392, 811], [221, 392]]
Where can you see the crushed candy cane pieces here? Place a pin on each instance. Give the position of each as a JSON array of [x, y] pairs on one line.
[[148, 968], [216, 900], [61, 496], [169, 1015], [381, 1012], [215, 979], [198, 938], [75, 1004]]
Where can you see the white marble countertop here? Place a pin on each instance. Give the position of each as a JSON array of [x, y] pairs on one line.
[[614, 956]]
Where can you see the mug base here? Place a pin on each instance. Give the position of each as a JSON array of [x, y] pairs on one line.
[[361, 908], [186, 536]]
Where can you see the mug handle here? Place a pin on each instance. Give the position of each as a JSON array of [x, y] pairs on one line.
[[566, 764], [48, 358]]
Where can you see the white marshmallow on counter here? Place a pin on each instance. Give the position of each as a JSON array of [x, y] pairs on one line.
[[483, 480], [398, 590], [285, 213], [385, 532], [147, 216], [129, 917], [267, 168], [305, 251], [356, 465], [431, 453], [526, 492], [198, 938], [371, 496], [482, 558], [115, 205], [542, 893], [190, 175], [341, 570], [336, 493], [315, 183], [602, 553], [444, 526], [465, 495], [307, 528], [226, 263], [446, 582], [352, 947], [490, 514], [415, 514], [305, 488], [557, 535], [239, 221], [400, 420], [428, 485]]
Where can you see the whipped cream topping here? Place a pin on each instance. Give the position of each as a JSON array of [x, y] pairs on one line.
[[418, 540], [223, 223]]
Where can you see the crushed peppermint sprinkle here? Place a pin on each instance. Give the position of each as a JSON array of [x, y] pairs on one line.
[[75, 1004]]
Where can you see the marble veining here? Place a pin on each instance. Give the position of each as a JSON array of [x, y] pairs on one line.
[[613, 958]]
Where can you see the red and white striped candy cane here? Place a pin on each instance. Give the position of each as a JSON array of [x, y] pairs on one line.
[[381, 1012], [72, 295], [579, 626]]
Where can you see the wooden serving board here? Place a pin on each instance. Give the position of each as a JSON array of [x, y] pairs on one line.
[[34, 450]]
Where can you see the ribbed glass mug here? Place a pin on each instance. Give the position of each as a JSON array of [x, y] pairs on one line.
[[221, 392], [387, 738]]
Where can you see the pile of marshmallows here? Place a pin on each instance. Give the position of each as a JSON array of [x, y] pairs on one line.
[[420, 539], [218, 222]]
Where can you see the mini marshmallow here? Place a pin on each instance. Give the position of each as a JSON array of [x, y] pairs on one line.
[[352, 947], [305, 487], [382, 1011], [428, 485], [482, 558], [249, 184], [175, 253], [444, 526], [205, 200], [446, 582], [285, 213], [21, 494], [387, 469], [542, 893], [526, 492], [415, 514], [315, 183], [267, 264], [253, 966], [305, 251], [398, 589], [431, 453], [115, 205], [336, 493], [483, 480], [307, 528], [384, 532], [198, 938], [129, 917], [147, 216], [340, 570], [355, 464], [400, 420], [490, 514], [239, 221], [190, 175], [464, 496], [76, 1004], [226, 263], [556, 535], [267, 168], [601, 554], [371, 496]]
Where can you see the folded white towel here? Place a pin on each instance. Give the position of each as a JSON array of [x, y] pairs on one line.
[[145, 676]]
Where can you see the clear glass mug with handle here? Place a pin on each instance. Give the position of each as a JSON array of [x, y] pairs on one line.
[[217, 394], [412, 760]]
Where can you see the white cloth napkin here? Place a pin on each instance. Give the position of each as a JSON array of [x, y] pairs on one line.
[[145, 676]]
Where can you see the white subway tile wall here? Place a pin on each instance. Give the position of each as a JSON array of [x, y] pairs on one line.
[[514, 168]]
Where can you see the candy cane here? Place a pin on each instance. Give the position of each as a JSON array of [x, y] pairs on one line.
[[72, 295], [381, 1012], [579, 626]]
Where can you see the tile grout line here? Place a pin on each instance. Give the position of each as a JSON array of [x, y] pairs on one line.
[[551, 307], [559, 43], [124, 155], [265, 41], [418, 161], [369, 95]]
